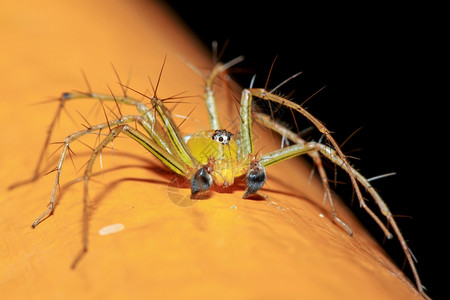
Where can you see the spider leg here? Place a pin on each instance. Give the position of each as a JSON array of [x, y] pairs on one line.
[[171, 151], [36, 174], [157, 130], [297, 150], [246, 146], [167, 124], [159, 152], [65, 150], [210, 99], [261, 93], [245, 133], [331, 154], [166, 158], [172, 131], [80, 95]]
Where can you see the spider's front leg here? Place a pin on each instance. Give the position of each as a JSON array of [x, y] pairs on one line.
[[172, 162], [66, 150], [336, 156], [246, 148]]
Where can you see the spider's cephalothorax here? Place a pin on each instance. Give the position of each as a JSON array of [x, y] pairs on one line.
[[217, 153]]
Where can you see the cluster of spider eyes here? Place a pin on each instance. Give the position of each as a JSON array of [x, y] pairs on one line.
[[222, 136]]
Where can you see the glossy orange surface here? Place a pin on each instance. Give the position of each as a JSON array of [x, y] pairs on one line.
[[221, 247]]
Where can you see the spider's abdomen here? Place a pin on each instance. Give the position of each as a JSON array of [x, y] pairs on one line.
[[216, 147]]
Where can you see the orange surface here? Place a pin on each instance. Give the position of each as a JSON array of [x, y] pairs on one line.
[[222, 247]]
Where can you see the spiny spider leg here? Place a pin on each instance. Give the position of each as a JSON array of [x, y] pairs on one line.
[[36, 173], [331, 154], [209, 97], [169, 127], [69, 139], [297, 150], [246, 148], [150, 144], [263, 94], [155, 129], [173, 162]]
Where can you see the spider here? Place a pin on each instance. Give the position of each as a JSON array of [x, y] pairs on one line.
[[229, 156]]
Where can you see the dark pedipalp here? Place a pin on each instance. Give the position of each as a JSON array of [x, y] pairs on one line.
[[256, 177], [201, 181]]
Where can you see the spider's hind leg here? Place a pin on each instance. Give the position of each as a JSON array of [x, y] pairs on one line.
[[332, 155], [65, 151], [160, 153], [209, 95]]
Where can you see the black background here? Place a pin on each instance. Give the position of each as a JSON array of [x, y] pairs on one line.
[[381, 68]]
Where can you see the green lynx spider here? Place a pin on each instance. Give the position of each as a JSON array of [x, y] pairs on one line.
[[234, 155]]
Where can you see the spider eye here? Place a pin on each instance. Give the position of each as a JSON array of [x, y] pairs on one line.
[[222, 136]]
